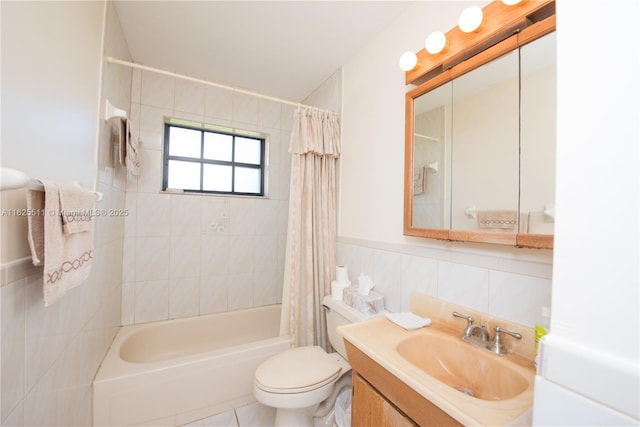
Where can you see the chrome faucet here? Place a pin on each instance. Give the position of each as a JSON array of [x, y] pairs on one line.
[[477, 331], [479, 336]]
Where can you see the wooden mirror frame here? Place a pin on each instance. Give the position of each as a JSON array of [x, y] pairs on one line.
[[504, 29]]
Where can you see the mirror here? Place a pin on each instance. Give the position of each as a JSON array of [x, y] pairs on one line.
[[480, 162], [538, 133]]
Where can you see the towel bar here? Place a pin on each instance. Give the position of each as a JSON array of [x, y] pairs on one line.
[[34, 184]]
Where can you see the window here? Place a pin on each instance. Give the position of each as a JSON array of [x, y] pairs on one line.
[[213, 160]]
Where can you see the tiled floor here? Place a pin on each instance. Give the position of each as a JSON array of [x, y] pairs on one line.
[[253, 415]]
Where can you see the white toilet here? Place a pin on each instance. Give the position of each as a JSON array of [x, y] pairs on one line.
[[302, 383]]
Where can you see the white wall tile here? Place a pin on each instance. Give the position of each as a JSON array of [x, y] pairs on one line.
[[151, 300], [13, 346], [245, 109], [152, 215], [214, 256], [518, 298], [184, 297], [189, 97], [15, 418], [362, 261], [129, 260], [464, 285], [266, 217], [184, 256], [265, 258], [269, 114], [242, 216], [387, 276], [241, 254], [218, 103], [215, 216], [240, 293], [131, 204], [157, 90], [418, 274], [214, 292], [127, 310], [273, 170], [265, 288], [152, 258], [186, 215]]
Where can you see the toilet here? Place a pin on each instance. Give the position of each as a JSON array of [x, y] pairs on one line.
[[302, 383]]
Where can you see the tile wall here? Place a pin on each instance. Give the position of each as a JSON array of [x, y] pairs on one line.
[[50, 355], [508, 287], [191, 254]]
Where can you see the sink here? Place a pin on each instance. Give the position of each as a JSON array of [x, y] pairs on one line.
[[468, 369]]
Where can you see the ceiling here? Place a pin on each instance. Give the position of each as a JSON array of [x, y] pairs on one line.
[[278, 48]]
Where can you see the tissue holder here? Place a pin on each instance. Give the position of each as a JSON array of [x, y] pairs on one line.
[[367, 304]]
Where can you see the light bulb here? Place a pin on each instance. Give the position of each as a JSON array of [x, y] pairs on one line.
[[470, 19], [435, 42], [408, 61], [511, 2]]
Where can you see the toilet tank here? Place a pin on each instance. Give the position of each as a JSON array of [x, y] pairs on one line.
[[338, 313]]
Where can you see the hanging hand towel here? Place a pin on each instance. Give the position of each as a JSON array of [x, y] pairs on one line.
[[76, 206], [66, 258], [131, 151]]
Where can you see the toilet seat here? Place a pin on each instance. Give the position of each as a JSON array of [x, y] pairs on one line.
[[297, 370]]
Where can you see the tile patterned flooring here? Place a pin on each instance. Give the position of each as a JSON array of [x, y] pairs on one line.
[[252, 415]]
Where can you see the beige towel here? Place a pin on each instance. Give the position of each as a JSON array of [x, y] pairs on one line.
[[131, 151], [76, 206], [503, 220], [500, 219], [66, 258]]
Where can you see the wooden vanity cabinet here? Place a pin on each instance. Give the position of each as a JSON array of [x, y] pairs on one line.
[[382, 399], [370, 408]]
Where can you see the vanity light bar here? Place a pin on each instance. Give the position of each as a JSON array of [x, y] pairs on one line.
[[478, 29]]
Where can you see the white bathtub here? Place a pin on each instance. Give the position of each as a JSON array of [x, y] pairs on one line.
[[174, 372]]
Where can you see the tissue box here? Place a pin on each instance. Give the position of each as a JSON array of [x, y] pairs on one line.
[[367, 304], [348, 295]]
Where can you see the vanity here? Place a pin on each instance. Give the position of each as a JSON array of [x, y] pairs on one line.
[[430, 376]]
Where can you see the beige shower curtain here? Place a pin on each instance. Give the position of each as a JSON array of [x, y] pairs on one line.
[[311, 233]]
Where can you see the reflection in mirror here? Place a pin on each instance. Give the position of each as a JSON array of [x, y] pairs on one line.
[[485, 147], [431, 159], [538, 130]]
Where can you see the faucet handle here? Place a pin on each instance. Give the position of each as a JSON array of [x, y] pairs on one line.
[[469, 319], [500, 330], [496, 346]]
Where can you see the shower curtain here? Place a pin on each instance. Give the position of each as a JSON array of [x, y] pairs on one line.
[[311, 234]]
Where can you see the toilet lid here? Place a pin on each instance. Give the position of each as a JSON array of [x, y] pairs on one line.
[[297, 370]]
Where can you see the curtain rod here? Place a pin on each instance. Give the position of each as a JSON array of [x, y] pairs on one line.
[[218, 85]]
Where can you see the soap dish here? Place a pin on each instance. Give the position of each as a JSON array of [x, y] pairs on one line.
[[408, 320]]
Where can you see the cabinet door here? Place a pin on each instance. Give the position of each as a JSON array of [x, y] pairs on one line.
[[370, 408]]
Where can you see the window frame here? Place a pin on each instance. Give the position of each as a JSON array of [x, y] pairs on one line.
[[202, 161]]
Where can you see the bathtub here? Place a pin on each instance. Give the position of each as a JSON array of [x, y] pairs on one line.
[[173, 372]]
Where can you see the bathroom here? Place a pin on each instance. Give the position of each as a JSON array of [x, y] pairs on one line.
[[154, 263]]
